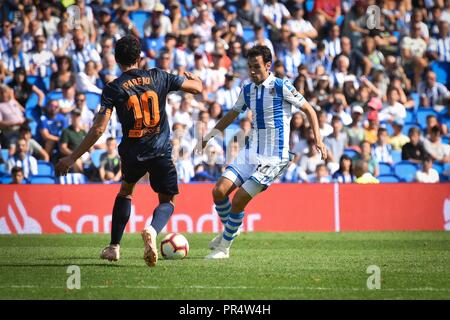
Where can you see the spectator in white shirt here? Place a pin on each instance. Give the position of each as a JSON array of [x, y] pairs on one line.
[[382, 150], [23, 159], [302, 28], [393, 109], [228, 94], [432, 93], [42, 60], [333, 42], [83, 52], [439, 47], [273, 13], [427, 174], [158, 18]]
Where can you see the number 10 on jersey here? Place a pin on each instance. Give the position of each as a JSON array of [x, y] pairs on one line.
[[145, 111]]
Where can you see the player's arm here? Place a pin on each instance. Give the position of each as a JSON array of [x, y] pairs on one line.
[[192, 84], [96, 131], [292, 96], [220, 126], [225, 121]]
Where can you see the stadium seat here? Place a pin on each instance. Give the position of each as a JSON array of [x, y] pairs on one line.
[[5, 154], [92, 100], [2, 169], [73, 178], [389, 128], [438, 167], [408, 126], [351, 153], [32, 101], [442, 71], [445, 140], [6, 179], [33, 126], [422, 115], [416, 97], [385, 168], [45, 168], [42, 180], [38, 82], [410, 116], [405, 170], [54, 95], [139, 18], [95, 157], [396, 156], [389, 178], [249, 34], [309, 5]]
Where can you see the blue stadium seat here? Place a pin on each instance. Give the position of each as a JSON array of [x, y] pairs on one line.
[[442, 70], [54, 95], [422, 115], [351, 153], [42, 180], [396, 156], [33, 126], [139, 18], [92, 100], [443, 178], [445, 139], [309, 5], [385, 168], [32, 101], [405, 170], [73, 178], [5, 154], [249, 34], [408, 126], [438, 167], [388, 178], [410, 116], [416, 97], [340, 20], [95, 157], [389, 128], [45, 168], [38, 82], [154, 44], [6, 179], [2, 169]]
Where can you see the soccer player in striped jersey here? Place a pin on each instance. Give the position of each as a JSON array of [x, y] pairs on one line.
[[267, 155]]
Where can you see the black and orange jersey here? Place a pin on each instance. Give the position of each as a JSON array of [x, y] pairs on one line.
[[139, 97]]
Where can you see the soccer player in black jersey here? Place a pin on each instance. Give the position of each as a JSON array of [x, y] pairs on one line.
[[139, 97]]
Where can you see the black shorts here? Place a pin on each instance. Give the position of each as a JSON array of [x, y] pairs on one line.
[[163, 174]]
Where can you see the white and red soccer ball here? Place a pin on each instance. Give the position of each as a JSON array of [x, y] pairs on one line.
[[174, 246]]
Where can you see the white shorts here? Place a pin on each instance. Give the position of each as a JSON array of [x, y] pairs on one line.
[[256, 177]]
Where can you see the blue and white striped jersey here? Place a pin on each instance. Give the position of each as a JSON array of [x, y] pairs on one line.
[[271, 105]]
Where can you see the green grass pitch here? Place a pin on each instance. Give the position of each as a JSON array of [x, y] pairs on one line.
[[413, 265]]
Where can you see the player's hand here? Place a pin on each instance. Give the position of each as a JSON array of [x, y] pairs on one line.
[[191, 76], [63, 166], [322, 149]]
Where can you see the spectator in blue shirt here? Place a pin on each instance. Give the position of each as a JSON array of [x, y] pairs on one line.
[[50, 127]]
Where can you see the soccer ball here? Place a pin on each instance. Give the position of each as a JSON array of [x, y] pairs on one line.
[[174, 246]]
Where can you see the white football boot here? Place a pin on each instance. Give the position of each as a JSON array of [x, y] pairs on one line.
[[214, 243], [221, 252], [111, 252], [150, 251]]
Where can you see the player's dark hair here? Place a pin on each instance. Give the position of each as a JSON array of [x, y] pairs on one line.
[[262, 51], [127, 51]]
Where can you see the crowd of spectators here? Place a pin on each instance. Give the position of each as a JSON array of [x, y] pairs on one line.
[[373, 71]]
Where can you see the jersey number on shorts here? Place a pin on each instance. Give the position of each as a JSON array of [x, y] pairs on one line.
[[146, 112]]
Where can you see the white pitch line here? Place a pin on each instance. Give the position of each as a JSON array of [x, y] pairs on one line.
[[232, 288]]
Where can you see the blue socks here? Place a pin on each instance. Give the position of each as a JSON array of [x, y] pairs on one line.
[[223, 209], [232, 226], [120, 216], [161, 216]]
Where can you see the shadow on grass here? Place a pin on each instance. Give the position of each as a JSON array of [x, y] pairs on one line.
[[27, 265]]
